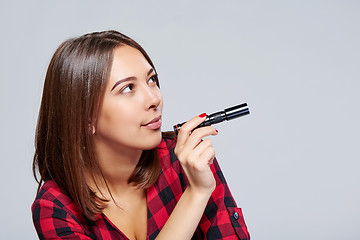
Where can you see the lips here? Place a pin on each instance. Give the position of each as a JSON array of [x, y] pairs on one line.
[[154, 124]]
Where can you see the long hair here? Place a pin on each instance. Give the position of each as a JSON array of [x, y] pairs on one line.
[[73, 91]]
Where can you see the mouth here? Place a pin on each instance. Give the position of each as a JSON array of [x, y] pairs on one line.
[[154, 124]]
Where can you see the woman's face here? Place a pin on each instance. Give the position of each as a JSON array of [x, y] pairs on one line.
[[130, 115]]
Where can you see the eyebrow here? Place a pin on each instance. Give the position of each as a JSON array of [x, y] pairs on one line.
[[130, 79]]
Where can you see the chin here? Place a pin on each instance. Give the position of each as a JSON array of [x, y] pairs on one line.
[[152, 142]]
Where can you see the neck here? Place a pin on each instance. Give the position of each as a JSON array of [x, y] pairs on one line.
[[116, 164]]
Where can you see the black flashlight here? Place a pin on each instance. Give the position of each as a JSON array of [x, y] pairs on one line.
[[227, 114]]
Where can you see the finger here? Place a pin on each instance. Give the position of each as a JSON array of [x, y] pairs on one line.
[[198, 134], [202, 147], [201, 160], [208, 155], [193, 141], [186, 129]]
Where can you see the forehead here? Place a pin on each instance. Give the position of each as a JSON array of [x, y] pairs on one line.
[[127, 62]]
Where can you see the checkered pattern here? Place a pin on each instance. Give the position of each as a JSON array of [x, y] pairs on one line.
[[56, 216]]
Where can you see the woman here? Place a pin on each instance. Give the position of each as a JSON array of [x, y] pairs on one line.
[[106, 170]]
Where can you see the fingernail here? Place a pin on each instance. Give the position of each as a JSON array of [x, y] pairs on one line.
[[202, 115], [216, 131]]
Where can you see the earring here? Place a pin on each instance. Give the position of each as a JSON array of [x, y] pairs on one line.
[[91, 129]]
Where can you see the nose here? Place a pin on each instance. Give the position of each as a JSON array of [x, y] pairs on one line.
[[152, 98]]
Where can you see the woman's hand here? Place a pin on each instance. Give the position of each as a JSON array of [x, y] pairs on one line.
[[196, 155]]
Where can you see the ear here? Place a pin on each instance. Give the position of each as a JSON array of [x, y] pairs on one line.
[[91, 128]]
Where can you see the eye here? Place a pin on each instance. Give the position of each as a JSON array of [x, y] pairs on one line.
[[153, 80], [128, 88]]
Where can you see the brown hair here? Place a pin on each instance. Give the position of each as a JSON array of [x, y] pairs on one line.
[[73, 91]]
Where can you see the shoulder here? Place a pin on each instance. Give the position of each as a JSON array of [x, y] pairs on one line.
[[171, 170], [51, 192], [51, 201], [169, 140], [166, 152], [55, 215]]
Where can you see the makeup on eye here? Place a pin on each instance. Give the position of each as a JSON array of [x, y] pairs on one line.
[[128, 79], [153, 79], [129, 86], [133, 78]]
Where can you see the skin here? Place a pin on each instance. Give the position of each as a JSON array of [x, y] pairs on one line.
[[120, 135], [132, 100]]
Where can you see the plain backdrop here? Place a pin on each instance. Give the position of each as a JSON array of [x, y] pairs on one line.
[[292, 164]]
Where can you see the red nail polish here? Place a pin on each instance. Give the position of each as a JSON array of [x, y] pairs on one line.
[[216, 131], [202, 115]]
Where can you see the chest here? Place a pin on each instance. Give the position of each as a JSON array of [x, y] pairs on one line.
[[131, 219], [147, 217]]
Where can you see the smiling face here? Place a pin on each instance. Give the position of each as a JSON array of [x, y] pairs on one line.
[[130, 114]]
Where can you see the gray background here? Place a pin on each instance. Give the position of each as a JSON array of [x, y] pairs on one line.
[[292, 164]]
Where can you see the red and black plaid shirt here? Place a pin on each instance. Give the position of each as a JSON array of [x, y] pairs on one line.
[[56, 216]]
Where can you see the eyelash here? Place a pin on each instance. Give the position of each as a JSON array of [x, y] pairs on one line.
[[154, 78], [127, 86]]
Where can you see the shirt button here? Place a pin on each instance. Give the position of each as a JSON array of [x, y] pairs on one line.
[[236, 215]]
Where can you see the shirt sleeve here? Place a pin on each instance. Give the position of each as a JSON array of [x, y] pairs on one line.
[[53, 222], [222, 218]]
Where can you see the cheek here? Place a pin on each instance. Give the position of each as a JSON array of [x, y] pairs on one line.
[[117, 118]]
